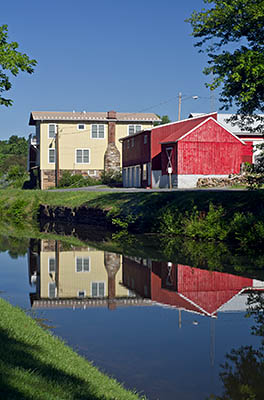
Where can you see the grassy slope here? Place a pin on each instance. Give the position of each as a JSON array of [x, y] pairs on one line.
[[146, 206], [36, 365]]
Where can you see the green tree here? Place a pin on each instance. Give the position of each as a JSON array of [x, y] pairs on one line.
[[11, 61], [164, 120], [231, 32]]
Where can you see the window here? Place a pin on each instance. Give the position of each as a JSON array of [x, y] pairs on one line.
[[98, 289], [81, 293], [81, 127], [52, 290], [133, 129], [82, 156], [144, 175], [52, 131], [52, 265], [82, 264], [145, 139], [51, 156], [128, 144], [133, 142], [98, 132]]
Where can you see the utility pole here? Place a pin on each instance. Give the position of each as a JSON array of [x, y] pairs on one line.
[[179, 106], [57, 156]]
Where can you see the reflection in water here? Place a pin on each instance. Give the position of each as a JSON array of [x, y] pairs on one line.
[[85, 278], [243, 371], [186, 288], [76, 277]]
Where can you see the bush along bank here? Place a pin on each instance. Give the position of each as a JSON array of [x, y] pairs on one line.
[[233, 216], [216, 224], [37, 365]]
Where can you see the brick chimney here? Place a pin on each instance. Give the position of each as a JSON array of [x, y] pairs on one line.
[[112, 155]]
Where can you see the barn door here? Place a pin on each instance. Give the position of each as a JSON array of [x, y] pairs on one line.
[[169, 156]]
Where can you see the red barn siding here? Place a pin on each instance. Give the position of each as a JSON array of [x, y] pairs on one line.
[[209, 290], [161, 133], [209, 150], [139, 275], [139, 154], [248, 152]]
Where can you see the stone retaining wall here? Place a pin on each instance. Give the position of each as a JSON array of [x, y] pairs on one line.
[[243, 179], [78, 215]]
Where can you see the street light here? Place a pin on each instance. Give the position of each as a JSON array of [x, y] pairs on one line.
[[180, 100]]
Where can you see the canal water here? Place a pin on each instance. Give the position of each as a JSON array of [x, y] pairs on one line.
[[160, 327]]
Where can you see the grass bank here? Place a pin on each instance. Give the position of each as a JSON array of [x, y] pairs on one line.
[[36, 365], [203, 214]]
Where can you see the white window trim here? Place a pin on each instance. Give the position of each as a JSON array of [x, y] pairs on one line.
[[91, 134], [52, 283], [52, 258], [97, 282], [51, 162], [81, 129], [86, 163], [82, 263], [134, 125], [52, 137]]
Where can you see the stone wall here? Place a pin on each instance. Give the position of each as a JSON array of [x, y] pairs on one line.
[[231, 180]]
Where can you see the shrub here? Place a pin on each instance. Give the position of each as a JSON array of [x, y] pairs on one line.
[[111, 178], [77, 180]]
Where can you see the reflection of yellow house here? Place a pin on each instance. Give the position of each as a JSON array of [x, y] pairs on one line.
[[79, 277], [86, 142]]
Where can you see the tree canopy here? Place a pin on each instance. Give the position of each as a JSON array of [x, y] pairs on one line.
[[13, 152], [231, 32], [12, 61], [164, 120]]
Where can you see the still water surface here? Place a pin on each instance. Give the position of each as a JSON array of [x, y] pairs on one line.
[[159, 327]]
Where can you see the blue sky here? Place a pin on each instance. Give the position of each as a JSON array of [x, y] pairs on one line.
[[101, 55]]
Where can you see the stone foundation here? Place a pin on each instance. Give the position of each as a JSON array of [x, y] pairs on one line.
[[48, 176]]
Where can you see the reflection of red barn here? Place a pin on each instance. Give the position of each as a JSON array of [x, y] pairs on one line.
[[181, 286]]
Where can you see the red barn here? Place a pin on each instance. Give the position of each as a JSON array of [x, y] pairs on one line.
[[187, 149]]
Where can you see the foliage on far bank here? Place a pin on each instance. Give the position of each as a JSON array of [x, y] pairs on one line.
[[69, 180], [110, 178], [13, 161], [243, 228]]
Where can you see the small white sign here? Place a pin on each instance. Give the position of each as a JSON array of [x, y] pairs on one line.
[[169, 170]]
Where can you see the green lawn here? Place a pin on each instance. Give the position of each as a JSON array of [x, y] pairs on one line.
[[36, 365]]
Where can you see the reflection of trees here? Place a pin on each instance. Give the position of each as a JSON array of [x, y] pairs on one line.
[[243, 372], [214, 256], [15, 246]]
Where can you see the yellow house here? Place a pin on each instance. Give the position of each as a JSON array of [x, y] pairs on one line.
[[80, 142]]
